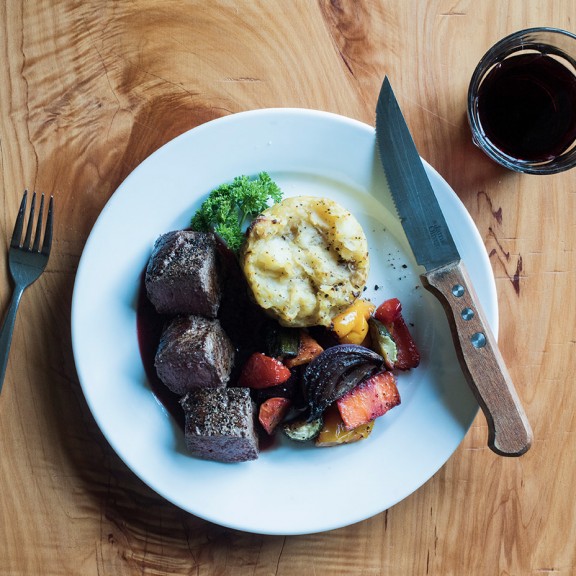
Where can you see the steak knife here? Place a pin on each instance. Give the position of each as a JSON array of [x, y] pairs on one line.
[[445, 276]]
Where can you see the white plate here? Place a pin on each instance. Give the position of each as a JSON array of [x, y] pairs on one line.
[[290, 489]]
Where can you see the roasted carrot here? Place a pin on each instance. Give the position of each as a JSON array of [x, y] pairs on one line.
[[369, 400], [307, 351], [272, 412]]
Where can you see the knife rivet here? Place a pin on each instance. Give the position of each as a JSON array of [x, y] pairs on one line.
[[467, 314], [478, 340], [458, 290]]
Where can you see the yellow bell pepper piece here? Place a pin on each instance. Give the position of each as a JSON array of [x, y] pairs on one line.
[[351, 326], [334, 431]]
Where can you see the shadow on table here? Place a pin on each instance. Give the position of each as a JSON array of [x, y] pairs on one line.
[[467, 169]]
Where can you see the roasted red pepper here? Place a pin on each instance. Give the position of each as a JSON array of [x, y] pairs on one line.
[[390, 314], [388, 311], [261, 371]]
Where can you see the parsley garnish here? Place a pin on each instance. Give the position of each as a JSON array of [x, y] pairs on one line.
[[230, 207]]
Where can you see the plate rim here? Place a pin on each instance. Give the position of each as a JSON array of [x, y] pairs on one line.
[[111, 203]]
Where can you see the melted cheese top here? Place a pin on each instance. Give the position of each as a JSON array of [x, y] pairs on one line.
[[306, 260]]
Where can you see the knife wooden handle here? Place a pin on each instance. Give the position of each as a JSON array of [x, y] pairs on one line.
[[509, 431]]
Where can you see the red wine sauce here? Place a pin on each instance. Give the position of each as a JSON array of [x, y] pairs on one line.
[[149, 326], [527, 107]]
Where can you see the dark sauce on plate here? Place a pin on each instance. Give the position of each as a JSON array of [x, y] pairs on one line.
[[149, 325], [527, 107]]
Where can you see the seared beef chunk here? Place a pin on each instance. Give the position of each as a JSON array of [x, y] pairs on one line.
[[194, 351], [220, 424], [182, 276]]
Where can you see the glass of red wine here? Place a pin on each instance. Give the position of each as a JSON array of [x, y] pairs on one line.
[[522, 101]]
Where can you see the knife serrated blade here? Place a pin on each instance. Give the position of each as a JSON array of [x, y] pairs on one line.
[[509, 432]]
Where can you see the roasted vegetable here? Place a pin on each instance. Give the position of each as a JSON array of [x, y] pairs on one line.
[[307, 351], [408, 353], [382, 342], [369, 400], [336, 371], [272, 412], [390, 314], [351, 326], [281, 342], [261, 371], [302, 429], [334, 431], [388, 311]]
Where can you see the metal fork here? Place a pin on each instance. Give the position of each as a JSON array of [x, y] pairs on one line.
[[27, 261]]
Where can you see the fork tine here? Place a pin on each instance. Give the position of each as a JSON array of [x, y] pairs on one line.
[[36, 247], [28, 236], [48, 234], [17, 234]]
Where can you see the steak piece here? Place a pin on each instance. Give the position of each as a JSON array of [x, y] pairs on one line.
[[183, 274], [220, 424], [194, 351]]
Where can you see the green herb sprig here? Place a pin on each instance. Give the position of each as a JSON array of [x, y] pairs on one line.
[[230, 207]]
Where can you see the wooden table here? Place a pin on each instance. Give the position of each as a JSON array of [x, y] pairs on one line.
[[88, 90]]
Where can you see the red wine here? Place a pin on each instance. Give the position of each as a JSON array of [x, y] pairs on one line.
[[527, 107]]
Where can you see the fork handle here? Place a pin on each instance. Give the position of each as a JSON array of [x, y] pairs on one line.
[[7, 330]]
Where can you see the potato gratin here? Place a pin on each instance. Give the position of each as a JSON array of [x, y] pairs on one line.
[[305, 260]]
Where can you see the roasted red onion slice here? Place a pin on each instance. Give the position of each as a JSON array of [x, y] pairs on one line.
[[336, 371]]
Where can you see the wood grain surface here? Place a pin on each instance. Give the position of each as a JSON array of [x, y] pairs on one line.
[[88, 90]]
